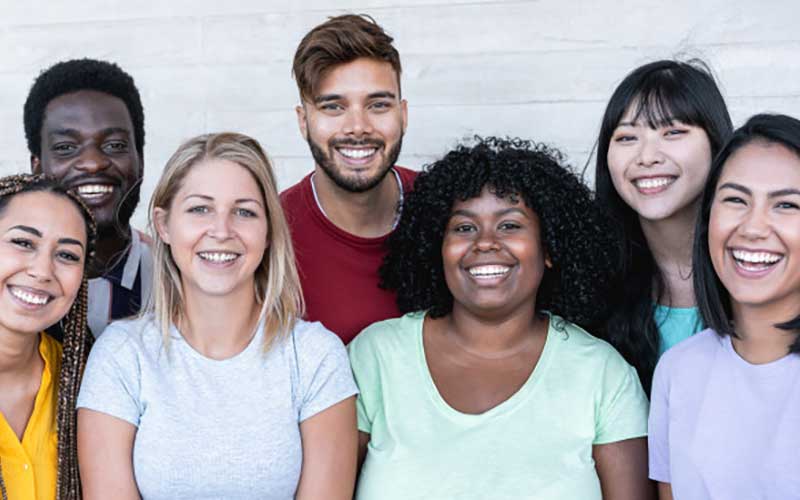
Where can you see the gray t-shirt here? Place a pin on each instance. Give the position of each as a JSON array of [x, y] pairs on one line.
[[215, 429]]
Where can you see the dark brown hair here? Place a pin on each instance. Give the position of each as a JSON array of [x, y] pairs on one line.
[[340, 40], [77, 339]]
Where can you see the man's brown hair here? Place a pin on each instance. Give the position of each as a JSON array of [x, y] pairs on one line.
[[340, 40]]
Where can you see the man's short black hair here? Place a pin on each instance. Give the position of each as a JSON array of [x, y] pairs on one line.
[[81, 74]]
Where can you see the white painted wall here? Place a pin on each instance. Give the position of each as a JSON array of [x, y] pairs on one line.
[[541, 69]]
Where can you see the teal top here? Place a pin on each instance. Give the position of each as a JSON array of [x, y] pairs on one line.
[[537, 444], [675, 324]]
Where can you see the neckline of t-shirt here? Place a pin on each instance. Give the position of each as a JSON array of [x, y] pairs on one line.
[[771, 369], [252, 346], [681, 311], [506, 406], [336, 231]]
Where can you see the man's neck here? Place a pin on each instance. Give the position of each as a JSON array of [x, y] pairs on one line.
[[370, 214], [111, 247]]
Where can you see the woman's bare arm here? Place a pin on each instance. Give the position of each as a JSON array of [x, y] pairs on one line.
[[622, 468], [105, 455], [330, 448]]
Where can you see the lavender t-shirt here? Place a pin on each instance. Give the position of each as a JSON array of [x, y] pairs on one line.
[[722, 428]]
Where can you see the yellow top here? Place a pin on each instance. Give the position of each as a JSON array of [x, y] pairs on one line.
[[30, 467]]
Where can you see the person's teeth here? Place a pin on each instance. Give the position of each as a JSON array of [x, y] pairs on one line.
[[218, 256], [756, 257], [492, 270], [357, 153], [654, 182], [30, 298], [90, 190]]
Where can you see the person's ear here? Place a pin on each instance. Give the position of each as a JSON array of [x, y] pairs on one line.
[[302, 120], [36, 165], [160, 219]]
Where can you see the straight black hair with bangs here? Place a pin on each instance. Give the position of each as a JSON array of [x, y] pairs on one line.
[[659, 92], [712, 297]]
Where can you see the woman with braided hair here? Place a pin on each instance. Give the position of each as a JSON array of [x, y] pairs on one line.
[[46, 237]]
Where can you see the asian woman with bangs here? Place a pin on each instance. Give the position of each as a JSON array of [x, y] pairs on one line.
[[725, 404], [661, 129]]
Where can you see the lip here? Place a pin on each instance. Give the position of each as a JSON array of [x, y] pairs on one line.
[[358, 161], [489, 279], [218, 264], [752, 270], [98, 199], [653, 184], [28, 290]]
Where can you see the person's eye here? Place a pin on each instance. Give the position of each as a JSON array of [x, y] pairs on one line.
[[116, 147], [675, 132], [624, 138], [463, 228], [244, 212], [198, 209], [68, 256], [331, 107], [64, 148], [509, 226], [381, 105], [787, 205], [22, 243], [733, 200]]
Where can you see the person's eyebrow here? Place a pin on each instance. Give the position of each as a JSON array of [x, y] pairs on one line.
[[736, 187], [75, 132], [383, 94], [509, 210], [70, 241], [327, 97], [203, 197], [27, 229], [249, 200], [783, 192]]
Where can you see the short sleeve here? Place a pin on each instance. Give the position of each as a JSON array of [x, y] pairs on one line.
[[622, 406], [325, 376], [364, 362], [112, 379], [658, 426]]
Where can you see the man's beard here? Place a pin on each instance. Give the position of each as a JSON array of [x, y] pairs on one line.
[[121, 223], [357, 185]]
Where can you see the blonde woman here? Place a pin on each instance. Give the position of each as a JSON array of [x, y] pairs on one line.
[[218, 390]]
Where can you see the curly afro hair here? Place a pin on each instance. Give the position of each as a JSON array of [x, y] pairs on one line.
[[575, 234], [80, 74]]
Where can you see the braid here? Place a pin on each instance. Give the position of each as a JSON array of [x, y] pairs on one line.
[[77, 341]]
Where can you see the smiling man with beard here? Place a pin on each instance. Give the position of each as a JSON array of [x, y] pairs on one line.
[[84, 124], [353, 117]]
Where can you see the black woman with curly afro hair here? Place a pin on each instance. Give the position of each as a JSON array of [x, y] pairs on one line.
[[487, 387], [47, 237]]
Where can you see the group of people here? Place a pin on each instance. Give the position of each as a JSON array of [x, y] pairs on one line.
[[207, 358]]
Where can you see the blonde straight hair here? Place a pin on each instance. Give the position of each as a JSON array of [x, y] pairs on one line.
[[277, 285]]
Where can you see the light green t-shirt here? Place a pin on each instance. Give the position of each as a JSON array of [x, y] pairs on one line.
[[675, 324], [535, 445]]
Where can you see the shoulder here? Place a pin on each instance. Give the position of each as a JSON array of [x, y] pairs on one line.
[[393, 334], [580, 342], [695, 351], [293, 194], [407, 176], [129, 336], [312, 339]]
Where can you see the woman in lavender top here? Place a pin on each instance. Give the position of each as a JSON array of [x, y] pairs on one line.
[[725, 404]]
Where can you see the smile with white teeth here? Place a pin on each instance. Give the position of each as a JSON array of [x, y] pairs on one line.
[[357, 154], [489, 271], [95, 190], [34, 299], [218, 256], [755, 260], [654, 182]]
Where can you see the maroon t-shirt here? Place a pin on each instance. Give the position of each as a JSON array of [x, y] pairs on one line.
[[338, 270]]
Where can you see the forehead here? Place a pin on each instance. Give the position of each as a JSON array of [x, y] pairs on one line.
[[488, 203], [52, 214], [765, 166], [221, 179], [86, 111], [361, 76]]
